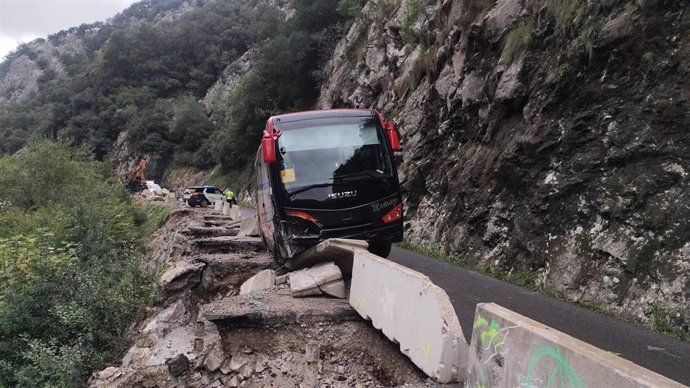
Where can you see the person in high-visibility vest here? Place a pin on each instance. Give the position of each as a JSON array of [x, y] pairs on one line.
[[230, 197]]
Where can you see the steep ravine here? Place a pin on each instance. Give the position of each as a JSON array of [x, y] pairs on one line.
[[538, 138]]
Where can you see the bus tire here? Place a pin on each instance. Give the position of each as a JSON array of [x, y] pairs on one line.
[[380, 248]]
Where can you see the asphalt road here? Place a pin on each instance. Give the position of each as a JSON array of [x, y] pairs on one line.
[[664, 355]]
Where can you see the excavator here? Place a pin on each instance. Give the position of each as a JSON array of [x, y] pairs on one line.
[[136, 178]]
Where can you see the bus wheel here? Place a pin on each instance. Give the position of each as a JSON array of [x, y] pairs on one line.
[[380, 248]]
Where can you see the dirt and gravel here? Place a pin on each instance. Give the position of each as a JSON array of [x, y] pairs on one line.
[[203, 333]]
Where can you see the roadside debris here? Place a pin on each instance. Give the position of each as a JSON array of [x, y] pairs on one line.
[[321, 278], [207, 332]]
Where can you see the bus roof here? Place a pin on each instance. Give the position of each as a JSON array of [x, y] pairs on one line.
[[322, 114]]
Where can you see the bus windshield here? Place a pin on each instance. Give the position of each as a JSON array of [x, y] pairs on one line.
[[321, 152]]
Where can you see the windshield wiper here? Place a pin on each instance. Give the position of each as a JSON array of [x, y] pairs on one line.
[[362, 174], [309, 187]]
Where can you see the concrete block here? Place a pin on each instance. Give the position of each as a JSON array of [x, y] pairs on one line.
[[260, 281], [302, 284], [339, 250], [510, 350], [312, 281], [334, 288], [411, 311], [249, 227], [218, 206], [235, 213], [226, 209]]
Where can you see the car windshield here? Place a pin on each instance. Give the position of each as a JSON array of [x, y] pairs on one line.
[[319, 152]]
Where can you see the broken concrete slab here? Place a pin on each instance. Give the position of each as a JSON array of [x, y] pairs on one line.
[[412, 311], [181, 276], [338, 250], [230, 244], [510, 350], [213, 231], [269, 308], [311, 281], [260, 281], [223, 272], [249, 227], [334, 288], [302, 284]]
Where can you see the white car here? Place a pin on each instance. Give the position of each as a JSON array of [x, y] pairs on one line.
[[204, 196]]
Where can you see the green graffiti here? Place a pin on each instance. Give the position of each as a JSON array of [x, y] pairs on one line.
[[562, 375], [489, 331], [480, 321], [426, 349], [360, 303]]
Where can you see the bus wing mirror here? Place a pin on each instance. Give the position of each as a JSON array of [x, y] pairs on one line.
[[268, 148], [393, 137]]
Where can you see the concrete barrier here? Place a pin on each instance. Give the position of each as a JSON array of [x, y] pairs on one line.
[[226, 209], [249, 227], [218, 206], [235, 213], [411, 311], [510, 350]]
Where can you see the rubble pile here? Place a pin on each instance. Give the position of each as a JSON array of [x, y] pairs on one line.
[[225, 319]]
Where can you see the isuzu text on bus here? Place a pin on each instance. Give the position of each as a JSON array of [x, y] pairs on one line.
[[327, 174]]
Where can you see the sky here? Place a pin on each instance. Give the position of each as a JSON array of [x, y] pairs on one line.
[[22, 21]]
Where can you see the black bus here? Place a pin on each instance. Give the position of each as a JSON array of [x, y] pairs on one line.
[[328, 174]]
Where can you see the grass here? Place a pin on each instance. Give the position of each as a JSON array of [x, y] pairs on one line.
[[661, 320], [516, 41], [407, 32], [151, 216]]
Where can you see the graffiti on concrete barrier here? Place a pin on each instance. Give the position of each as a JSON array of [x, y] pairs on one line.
[[561, 374], [426, 349], [490, 350], [489, 332]]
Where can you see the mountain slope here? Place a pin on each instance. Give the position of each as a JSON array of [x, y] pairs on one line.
[[546, 137]]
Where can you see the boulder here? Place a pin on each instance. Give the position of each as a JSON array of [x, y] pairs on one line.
[[181, 276], [178, 365]]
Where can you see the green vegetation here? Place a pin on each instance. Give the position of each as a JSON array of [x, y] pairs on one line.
[[407, 32], [666, 322], [564, 11], [148, 81], [71, 244], [285, 77], [516, 41], [350, 8]]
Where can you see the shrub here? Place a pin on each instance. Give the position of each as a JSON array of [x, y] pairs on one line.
[[516, 41], [70, 276]]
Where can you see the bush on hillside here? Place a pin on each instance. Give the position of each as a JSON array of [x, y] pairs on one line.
[[70, 280]]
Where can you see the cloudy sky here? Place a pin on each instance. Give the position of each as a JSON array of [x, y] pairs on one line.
[[22, 21]]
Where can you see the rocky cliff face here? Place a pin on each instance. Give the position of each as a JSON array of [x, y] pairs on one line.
[[539, 137], [39, 57]]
